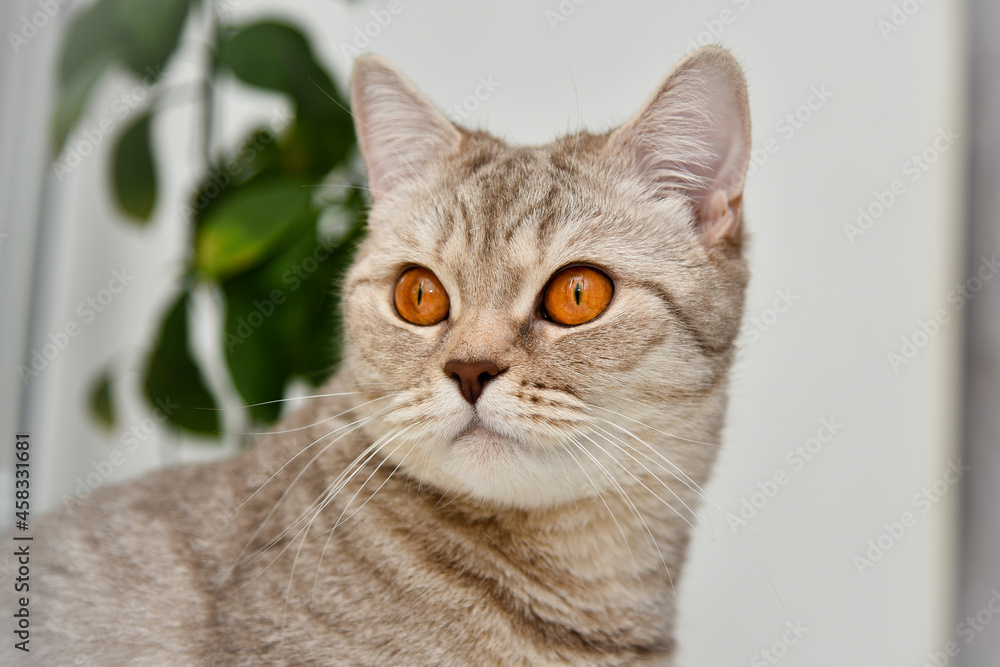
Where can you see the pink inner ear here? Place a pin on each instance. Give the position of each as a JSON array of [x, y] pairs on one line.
[[718, 216], [693, 137], [399, 131]]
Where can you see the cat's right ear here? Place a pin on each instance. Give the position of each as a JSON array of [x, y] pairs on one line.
[[400, 132]]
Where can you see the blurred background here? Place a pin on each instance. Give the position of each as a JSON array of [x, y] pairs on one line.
[[165, 167]]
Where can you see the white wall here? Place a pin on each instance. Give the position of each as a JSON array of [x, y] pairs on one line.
[[825, 358]]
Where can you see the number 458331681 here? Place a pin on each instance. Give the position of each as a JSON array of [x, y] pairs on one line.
[[22, 477]]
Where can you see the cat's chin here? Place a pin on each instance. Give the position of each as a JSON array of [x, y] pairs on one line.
[[481, 443], [480, 452], [500, 470]]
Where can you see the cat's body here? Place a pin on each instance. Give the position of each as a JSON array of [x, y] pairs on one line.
[[533, 513]]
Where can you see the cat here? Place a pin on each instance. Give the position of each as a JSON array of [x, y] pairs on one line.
[[505, 468]]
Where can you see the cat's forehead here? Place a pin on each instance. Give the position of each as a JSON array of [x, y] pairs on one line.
[[509, 210], [501, 195]]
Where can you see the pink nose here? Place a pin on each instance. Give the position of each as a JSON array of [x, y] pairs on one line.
[[472, 376]]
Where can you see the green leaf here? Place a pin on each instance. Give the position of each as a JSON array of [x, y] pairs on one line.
[[101, 405], [318, 353], [257, 361], [140, 33], [174, 383], [282, 320], [135, 170], [248, 225], [90, 44], [274, 56], [149, 32], [71, 99], [258, 155], [278, 57]]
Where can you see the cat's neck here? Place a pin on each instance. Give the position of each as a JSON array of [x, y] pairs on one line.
[[600, 571], [604, 568]]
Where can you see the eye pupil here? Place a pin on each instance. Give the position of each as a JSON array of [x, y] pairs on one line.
[[420, 292], [577, 293]]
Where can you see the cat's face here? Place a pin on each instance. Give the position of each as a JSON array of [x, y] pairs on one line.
[[529, 323]]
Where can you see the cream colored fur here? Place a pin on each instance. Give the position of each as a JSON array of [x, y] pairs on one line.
[[391, 522]]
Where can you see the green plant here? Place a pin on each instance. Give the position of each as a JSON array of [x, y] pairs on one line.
[[256, 225]]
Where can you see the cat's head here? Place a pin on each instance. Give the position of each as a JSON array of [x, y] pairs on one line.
[[530, 323]]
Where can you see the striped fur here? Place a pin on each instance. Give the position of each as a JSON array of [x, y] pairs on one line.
[[390, 522]]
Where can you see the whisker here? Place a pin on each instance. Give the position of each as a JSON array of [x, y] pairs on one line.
[[302, 428], [600, 495], [288, 489], [334, 486], [641, 483], [348, 186], [347, 505], [330, 532], [669, 435], [622, 443], [290, 398], [653, 409], [694, 486], [625, 495], [359, 422], [680, 475], [317, 505], [344, 479], [305, 532]]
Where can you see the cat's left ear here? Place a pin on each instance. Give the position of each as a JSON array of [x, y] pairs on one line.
[[693, 137], [400, 132]]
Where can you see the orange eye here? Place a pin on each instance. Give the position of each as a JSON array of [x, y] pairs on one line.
[[577, 295], [420, 298]]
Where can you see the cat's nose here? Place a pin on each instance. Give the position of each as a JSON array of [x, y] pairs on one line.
[[472, 376]]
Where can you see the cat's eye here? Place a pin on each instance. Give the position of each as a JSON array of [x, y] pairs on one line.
[[420, 298], [577, 295]]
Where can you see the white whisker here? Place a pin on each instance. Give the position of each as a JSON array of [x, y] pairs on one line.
[[631, 504], [326, 419], [286, 491], [669, 435], [640, 482], [687, 481], [635, 563], [342, 479]]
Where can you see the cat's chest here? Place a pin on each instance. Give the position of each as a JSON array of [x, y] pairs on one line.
[[387, 589]]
